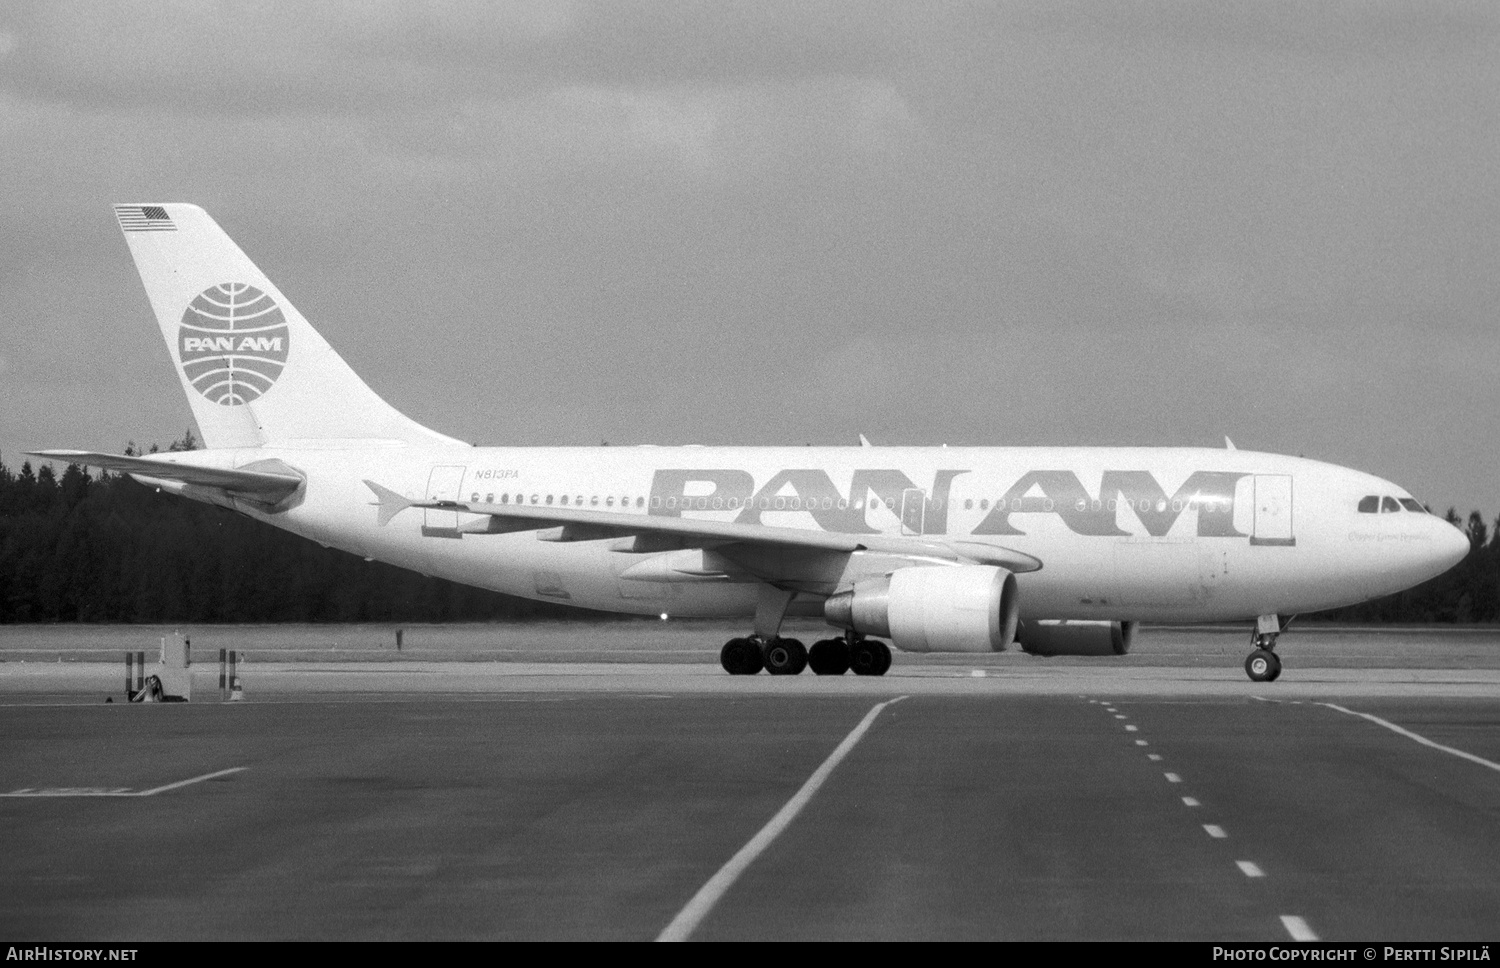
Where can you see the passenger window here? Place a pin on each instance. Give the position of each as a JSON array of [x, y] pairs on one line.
[[968, 504], [489, 499], [1410, 503], [549, 498], [640, 502], [594, 501], [505, 498], [1369, 504], [984, 505], [474, 498], [1388, 504], [564, 501], [609, 502]]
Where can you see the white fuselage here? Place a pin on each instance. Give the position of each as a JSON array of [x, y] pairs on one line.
[[1155, 534]]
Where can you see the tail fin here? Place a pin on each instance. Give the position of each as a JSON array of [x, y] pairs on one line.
[[254, 370]]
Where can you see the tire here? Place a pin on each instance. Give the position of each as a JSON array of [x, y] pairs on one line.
[[885, 658], [785, 657], [740, 657], [1262, 666], [829, 657], [865, 658]]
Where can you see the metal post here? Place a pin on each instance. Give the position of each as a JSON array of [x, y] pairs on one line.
[[223, 685], [129, 674], [140, 670]]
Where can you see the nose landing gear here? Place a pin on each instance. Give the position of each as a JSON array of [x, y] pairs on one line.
[[1263, 664]]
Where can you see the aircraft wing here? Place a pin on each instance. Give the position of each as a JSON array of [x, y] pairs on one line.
[[269, 482], [577, 524]]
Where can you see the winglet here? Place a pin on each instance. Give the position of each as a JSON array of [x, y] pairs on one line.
[[865, 441], [391, 503], [1229, 444]]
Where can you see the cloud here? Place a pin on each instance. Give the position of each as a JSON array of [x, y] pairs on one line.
[[291, 58]]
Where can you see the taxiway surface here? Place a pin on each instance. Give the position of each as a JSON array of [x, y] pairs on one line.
[[1044, 801]]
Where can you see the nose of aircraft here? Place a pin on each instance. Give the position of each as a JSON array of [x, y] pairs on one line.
[[1452, 546]]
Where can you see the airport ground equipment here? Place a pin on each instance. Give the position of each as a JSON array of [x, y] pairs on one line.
[[171, 678]]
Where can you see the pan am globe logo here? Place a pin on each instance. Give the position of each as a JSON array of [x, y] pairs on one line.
[[232, 343]]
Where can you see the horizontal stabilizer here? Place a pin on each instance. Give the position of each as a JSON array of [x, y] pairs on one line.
[[391, 503], [261, 484]]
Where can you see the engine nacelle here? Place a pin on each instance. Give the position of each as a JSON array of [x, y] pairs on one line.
[[958, 608], [1076, 637]]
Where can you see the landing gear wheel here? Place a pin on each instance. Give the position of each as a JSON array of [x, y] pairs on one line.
[[829, 657], [870, 657], [1262, 666], [741, 657], [785, 657]]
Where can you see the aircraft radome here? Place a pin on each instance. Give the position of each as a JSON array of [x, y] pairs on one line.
[[937, 549]]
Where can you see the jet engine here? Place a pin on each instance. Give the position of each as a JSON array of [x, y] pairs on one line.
[[958, 608], [1076, 638]]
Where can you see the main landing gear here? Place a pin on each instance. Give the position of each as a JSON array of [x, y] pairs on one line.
[[788, 657], [1263, 664]]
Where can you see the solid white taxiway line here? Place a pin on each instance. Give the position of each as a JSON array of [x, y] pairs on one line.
[[117, 791], [1297, 928], [708, 895], [1413, 736]]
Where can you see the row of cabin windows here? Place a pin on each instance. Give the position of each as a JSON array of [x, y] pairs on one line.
[[564, 500], [827, 504], [1177, 505], [689, 503], [1375, 504]]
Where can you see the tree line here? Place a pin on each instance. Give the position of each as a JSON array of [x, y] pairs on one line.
[[105, 548]]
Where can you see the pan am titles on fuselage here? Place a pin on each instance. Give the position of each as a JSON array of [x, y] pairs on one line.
[[944, 549]]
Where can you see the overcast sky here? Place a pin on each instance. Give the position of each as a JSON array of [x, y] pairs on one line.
[[552, 222]]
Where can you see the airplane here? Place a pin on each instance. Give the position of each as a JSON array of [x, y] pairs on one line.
[[1060, 550]]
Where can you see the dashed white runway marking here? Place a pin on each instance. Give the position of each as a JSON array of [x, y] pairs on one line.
[[1141, 742], [117, 791], [1215, 831], [1154, 757], [1250, 868], [688, 919], [1132, 729], [1120, 716], [1191, 802], [1420, 739], [1172, 778], [1297, 928]]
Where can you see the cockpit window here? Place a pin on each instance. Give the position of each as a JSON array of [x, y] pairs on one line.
[[1369, 504], [1410, 503], [1388, 504]]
